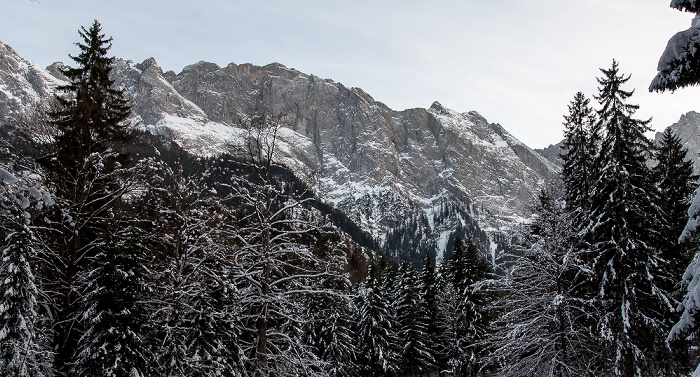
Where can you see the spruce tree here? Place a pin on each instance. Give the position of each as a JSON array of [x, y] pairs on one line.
[[686, 328], [580, 147], [463, 307], [112, 311], [90, 173], [414, 356], [428, 284], [676, 182], [20, 333], [679, 66], [17, 305], [478, 298], [375, 329], [92, 114], [623, 231]]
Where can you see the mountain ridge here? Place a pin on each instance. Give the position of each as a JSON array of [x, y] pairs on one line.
[[380, 166]]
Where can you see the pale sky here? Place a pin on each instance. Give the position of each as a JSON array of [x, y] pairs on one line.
[[516, 62]]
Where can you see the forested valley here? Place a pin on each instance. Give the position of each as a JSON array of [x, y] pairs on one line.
[[124, 255]]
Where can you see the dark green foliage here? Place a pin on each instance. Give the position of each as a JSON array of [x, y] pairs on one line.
[[375, 327], [676, 183], [91, 116], [428, 284], [88, 170], [623, 231], [580, 146], [463, 308]]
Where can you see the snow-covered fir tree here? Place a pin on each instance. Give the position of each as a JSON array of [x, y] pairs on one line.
[[679, 67], [328, 329], [623, 233], [89, 173], [415, 357], [112, 311], [22, 340], [686, 327], [428, 285], [375, 328], [676, 182], [463, 306], [330, 333]]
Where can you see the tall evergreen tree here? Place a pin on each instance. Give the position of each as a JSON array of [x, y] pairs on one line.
[[463, 307], [375, 329], [623, 234], [676, 182], [428, 285], [89, 173], [580, 148], [112, 311], [679, 66], [687, 326], [478, 298], [415, 357], [91, 116], [22, 349]]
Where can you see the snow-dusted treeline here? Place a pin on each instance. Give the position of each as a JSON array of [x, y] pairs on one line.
[[594, 285], [122, 255]]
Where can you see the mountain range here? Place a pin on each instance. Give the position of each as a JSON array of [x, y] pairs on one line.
[[412, 178]]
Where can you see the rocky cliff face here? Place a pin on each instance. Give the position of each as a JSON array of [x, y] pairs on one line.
[[378, 165], [24, 87], [360, 143]]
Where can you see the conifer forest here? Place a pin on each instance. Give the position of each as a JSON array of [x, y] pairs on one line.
[[124, 255]]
